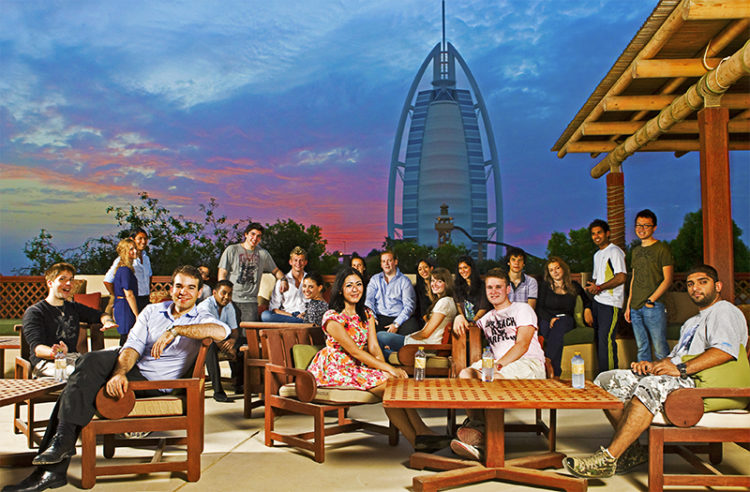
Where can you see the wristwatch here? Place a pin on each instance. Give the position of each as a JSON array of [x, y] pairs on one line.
[[683, 370], [649, 302], [173, 331]]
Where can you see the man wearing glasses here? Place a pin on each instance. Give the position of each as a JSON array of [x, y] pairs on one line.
[[652, 266]]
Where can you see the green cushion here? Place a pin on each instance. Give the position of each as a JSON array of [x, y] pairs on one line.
[[303, 355], [578, 335], [673, 331], [732, 374], [578, 313]]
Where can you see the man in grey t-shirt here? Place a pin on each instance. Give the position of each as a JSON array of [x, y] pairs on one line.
[[714, 336], [243, 264]]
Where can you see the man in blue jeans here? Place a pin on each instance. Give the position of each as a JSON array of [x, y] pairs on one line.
[[652, 266]]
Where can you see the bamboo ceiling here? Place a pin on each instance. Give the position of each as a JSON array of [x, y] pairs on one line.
[[650, 98]]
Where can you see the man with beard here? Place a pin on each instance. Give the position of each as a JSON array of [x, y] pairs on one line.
[[715, 335]]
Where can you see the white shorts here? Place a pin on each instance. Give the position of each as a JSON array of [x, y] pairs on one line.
[[523, 368]]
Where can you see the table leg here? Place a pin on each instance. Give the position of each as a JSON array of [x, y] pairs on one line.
[[494, 421]]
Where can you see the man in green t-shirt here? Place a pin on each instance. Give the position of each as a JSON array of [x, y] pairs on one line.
[[652, 266]]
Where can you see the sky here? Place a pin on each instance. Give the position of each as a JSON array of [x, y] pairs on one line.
[[288, 109]]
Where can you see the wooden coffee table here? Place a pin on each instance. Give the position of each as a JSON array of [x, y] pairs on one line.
[[17, 390], [494, 398]]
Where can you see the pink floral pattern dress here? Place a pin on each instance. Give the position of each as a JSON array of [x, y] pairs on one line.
[[333, 366]]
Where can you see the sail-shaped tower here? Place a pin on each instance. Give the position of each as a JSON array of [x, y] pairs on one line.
[[447, 157]]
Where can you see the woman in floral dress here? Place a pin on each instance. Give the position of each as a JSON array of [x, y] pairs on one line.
[[352, 357]]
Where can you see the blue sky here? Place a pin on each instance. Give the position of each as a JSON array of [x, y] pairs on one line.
[[289, 109]]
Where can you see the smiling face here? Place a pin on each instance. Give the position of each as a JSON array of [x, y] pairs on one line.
[[358, 264], [388, 263], [298, 263], [352, 289], [311, 289], [252, 238], [204, 273], [497, 292], [424, 270], [702, 289], [61, 286], [644, 228], [555, 271], [600, 237], [184, 292], [464, 270], [133, 252], [437, 286], [141, 241], [223, 295]]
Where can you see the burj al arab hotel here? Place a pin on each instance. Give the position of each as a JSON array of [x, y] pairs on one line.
[[448, 156]]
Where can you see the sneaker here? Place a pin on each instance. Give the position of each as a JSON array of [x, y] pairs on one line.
[[598, 465], [466, 450], [636, 454], [471, 433], [134, 435]]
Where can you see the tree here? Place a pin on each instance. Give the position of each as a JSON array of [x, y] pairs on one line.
[[42, 254], [687, 247], [577, 249], [283, 236]]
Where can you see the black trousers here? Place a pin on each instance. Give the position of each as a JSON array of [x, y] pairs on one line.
[[76, 404], [605, 328], [410, 325], [553, 339], [212, 366]]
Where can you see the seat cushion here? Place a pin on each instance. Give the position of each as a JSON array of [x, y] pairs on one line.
[[732, 374], [158, 406], [333, 395], [578, 335], [732, 419], [303, 354], [433, 361]]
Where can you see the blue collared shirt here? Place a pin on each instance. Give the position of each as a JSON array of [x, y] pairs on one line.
[[526, 289], [395, 298], [228, 315], [179, 355]]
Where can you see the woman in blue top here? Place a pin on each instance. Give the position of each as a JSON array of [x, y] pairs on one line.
[[125, 287]]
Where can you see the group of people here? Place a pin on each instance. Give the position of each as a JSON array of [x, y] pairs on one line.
[[367, 321]]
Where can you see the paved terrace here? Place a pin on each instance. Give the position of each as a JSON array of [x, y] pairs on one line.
[[235, 457]]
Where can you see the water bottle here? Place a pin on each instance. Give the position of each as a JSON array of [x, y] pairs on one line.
[[420, 363], [488, 365], [576, 368], [60, 366]]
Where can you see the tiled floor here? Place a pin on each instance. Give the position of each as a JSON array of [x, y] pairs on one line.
[[235, 457]]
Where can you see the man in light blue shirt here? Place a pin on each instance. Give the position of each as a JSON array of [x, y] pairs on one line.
[[391, 297], [163, 344], [219, 305]]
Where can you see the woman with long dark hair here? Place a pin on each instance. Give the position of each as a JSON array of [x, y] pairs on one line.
[[471, 299], [352, 357], [555, 308], [423, 290]]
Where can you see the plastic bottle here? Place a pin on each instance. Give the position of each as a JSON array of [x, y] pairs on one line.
[[488, 365], [61, 364], [577, 369], [420, 363]]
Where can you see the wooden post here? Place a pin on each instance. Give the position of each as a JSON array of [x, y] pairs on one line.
[[616, 208], [716, 197]]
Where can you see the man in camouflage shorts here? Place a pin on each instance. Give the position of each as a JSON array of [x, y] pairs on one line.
[[714, 335]]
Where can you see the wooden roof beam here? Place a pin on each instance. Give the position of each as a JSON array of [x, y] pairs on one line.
[[670, 25], [712, 84], [711, 9], [689, 67], [656, 146], [657, 102], [739, 125]]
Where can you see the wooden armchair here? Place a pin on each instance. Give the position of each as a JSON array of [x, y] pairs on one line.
[[293, 390], [182, 411], [255, 359], [683, 409]]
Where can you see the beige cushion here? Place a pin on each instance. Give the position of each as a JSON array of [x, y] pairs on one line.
[[733, 419], [433, 361], [333, 395], [679, 307], [157, 406]]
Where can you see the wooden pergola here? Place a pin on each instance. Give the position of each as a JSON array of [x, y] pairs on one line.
[[681, 85]]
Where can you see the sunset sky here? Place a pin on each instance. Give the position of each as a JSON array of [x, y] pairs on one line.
[[288, 110]]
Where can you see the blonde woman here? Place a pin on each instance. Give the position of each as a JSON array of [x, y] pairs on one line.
[[125, 286]]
